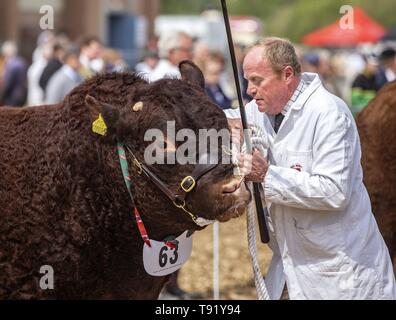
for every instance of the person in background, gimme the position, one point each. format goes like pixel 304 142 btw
pixel 327 74
pixel 173 48
pixel 53 65
pixel 212 69
pixel 201 53
pixel 152 44
pixel 321 65
pixel 113 61
pixel 90 57
pixel 310 62
pixel 40 57
pixel 14 85
pixel 239 56
pixel 147 66
pixel 66 78
pixel 325 240
pixel 387 70
pixel 364 86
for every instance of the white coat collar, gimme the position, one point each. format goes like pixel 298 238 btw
pixel 313 82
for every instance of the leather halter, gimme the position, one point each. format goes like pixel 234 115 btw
pixel 187 184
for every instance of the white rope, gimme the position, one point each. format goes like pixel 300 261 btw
pixel 262 292
pixel 258 141
pixel 216 291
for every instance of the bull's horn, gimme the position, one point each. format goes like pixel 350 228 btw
pixel 138 106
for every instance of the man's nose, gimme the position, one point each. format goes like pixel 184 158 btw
pixel 251 90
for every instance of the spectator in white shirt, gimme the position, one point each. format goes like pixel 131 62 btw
pixel 65 79
pixel 173 48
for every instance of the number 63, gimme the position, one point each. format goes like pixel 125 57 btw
pixel 163 257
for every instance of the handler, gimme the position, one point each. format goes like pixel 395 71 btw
pixel 325 239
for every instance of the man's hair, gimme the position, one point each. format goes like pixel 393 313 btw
pixel 57 47
pixel 170 41
pixel 280 53
pixel 88 40
pixel 387 55
pixel 71 51
pixel 216 56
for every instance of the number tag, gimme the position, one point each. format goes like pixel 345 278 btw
pixel 160 260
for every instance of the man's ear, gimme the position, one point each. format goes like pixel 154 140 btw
pixel 191 73
pixel 109 113
pixel 288 73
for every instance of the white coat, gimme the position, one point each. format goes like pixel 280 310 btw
pixel 164 69
pixel 325 239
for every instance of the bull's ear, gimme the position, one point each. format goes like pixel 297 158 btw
pixel 191 73
pixel 109 113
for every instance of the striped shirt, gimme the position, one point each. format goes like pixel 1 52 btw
pixel 300 89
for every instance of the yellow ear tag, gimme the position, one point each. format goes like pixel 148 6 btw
pixel 138 106
pixel 99 126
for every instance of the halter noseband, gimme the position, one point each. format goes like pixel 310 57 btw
pixel 187 184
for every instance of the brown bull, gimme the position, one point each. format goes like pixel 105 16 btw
pixel 63 200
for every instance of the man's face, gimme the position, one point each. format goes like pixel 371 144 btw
pixel 182 52
pixel 371 68
pixel 74 62
pixel 212 72
pixel 94 50
pixel 269 89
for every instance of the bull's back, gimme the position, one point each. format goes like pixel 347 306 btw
pixel 26 134
pixel 23 140
pixel 23 123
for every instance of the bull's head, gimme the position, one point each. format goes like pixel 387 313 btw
pixel 166 125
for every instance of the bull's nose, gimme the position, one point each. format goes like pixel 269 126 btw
pixel 231 186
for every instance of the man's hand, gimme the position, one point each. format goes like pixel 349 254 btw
pixel 254 167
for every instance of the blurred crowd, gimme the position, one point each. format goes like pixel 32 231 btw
pixel 354 76
pixel 59 64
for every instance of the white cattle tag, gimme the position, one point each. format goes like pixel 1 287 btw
pixel 160 259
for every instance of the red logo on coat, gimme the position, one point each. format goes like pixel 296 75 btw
pixel 296 166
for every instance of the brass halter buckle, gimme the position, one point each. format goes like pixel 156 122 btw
pixel 188 183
